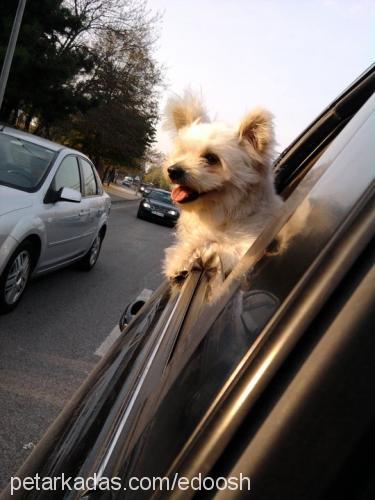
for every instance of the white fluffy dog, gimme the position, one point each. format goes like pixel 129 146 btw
pixel 222 182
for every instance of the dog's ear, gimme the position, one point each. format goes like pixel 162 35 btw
pixel 257 129
pixel 183 111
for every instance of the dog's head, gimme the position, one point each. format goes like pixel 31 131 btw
pixel 211 162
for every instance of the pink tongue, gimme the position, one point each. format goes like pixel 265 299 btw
pixel 180 193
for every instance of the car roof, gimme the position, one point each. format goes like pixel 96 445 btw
pixel 26 136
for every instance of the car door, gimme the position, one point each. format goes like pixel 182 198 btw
pixel 91 201
pixel 67 226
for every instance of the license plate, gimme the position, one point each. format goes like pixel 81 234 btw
pixel 160 214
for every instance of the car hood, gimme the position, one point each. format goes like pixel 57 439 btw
pixel 161 204
pixel 13 199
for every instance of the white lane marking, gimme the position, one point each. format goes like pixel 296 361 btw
pixel 108 341
pixel 116 332
pixel 145 294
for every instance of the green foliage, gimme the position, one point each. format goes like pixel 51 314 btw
pixel 119 126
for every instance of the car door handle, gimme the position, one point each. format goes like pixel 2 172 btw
pixel 82 213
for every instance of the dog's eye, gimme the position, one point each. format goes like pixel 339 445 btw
pixel 211 158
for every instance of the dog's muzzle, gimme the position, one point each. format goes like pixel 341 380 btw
pixel 176 173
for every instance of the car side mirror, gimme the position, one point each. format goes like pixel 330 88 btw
pixel 69 194
pixel 63 194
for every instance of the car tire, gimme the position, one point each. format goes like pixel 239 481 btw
pixel 15 276
pixel 89 260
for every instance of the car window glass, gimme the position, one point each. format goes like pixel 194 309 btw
pixel 159 195
pixel 89 181
pixel 192 392
pixel 67 175
pixel 22 164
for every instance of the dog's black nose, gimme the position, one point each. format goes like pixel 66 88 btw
pixel 175 172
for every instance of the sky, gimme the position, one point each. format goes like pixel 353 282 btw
pixel 292 57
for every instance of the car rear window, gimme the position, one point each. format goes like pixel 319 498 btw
pixel 22 164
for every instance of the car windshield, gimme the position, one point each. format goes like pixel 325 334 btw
pixel 22 163
pixel 160 196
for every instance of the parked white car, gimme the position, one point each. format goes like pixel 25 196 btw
pixel 53 211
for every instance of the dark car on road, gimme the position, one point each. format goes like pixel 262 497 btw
pixel 275 380
pixel 158 206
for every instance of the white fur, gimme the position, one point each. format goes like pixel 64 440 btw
pixel 239 199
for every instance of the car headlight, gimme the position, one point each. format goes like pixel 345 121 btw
pixel 146 205
pixel 172 212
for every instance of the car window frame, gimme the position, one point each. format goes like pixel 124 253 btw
pixel 167 328
pixel 314 139
pixel 51 186
pixel 99 189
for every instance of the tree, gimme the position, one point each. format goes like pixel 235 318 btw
pixel 84 70
pixel 154 174
pixel 119 126
pixel 44 69
pixel 156 177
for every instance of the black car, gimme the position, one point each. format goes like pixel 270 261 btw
pixel 158 206
pixel 269 388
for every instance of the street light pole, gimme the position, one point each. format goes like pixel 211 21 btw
pixel 10 50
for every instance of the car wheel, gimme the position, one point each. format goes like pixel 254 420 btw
pixel 89 260
pixel 15 277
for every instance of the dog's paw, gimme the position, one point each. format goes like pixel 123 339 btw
pixel 207 258
pixel 175 266
pixel 178 278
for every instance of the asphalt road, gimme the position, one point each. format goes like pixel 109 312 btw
pixel 48 344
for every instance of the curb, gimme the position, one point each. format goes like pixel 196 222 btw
pixel 118 202
pixel 119 197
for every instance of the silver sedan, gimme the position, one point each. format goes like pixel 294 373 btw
pixel 53 211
